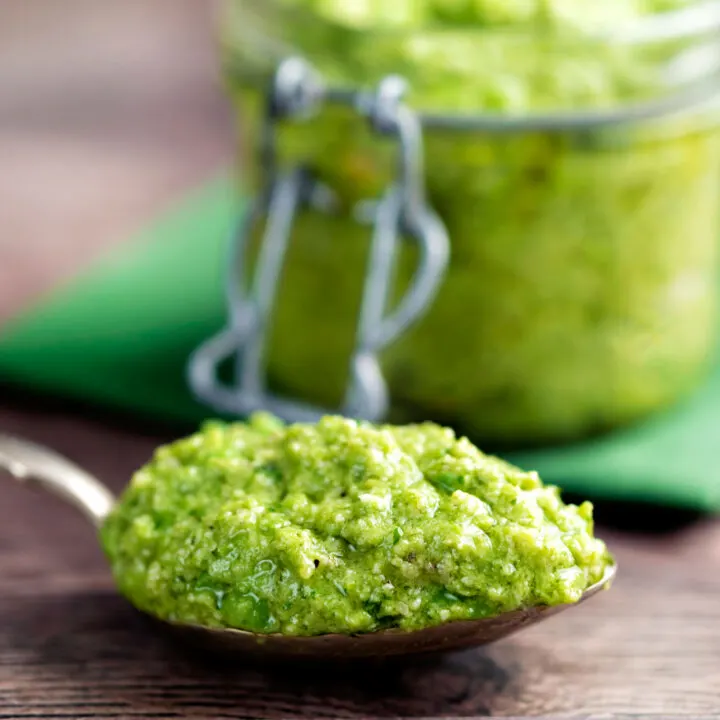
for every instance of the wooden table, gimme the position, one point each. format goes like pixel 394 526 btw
pixel 113 111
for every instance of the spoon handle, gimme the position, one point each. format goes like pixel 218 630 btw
pixel 28 462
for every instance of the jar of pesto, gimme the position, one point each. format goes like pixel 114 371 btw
pixel 572 150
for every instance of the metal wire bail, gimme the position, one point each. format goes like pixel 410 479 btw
pixel 401 212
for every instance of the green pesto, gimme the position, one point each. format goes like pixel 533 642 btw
pixel 581 291
pixel 343 527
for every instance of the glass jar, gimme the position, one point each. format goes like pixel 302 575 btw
pixel 577 172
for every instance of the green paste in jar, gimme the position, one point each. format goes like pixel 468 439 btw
pixel 343 527
pixel 582 283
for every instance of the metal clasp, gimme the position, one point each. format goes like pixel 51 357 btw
pixel 297 91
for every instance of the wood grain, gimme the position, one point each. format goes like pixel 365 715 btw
pixel 107 112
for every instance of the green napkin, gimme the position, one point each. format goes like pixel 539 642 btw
pixel 121 335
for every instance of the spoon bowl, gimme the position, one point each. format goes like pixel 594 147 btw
pixel 28 462
pixel 455 635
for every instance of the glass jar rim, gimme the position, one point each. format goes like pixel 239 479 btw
pixel 699 19
pixel 701 93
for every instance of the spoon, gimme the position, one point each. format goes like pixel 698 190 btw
pixel 33 463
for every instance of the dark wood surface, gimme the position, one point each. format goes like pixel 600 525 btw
pixel 107 112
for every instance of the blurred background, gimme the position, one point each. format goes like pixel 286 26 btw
pixel 107 115
pixel 575 327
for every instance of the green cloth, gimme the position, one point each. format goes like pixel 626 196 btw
pixel 121 334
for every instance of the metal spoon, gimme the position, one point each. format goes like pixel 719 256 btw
pixel 33 463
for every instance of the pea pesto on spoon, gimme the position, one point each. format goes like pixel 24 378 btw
pixel 336 537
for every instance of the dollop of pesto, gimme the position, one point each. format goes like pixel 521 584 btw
pixel 343 527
